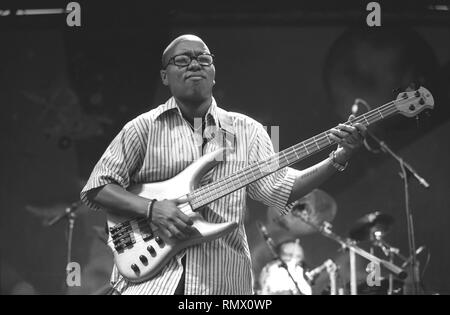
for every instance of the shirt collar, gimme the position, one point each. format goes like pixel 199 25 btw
pixel 171 105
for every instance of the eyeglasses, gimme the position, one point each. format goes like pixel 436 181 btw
pixel 185 60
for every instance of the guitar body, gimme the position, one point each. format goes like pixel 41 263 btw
pixel 139 250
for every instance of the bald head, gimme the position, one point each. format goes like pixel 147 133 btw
pixel 168 52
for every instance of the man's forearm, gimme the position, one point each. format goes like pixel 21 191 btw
pixel 117 200
pixel 312 178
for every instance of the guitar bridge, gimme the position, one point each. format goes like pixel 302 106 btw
pixel 122 236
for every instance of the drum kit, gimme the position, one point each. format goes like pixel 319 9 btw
pixel 286 273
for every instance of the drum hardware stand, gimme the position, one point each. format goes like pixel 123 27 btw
pixel 331 270
pixel 325 229
pixel 389 251
pixel 406 171
pixel 70 214
pixel 353 281
pixel 272 246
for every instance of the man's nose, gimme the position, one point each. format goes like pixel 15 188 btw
pixel 194 64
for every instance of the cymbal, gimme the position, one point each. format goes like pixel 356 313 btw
pixel 50 211
pixel 368 225
pixel 319 205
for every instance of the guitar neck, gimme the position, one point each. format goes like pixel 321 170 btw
pixel 211 192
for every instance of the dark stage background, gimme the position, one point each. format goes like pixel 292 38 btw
pixel 65 92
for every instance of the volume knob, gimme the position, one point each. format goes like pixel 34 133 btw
pixel 143 259
pixel 159 241
pixel 151 250
pixel 135 268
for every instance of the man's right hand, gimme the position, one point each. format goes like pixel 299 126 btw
pixel 171 220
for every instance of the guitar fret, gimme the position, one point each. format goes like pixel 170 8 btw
pixel 238 179
pixel 367 122
pixel 246 178
pixel 310 144
pixel 257 170
pixel 209 196
pixel 252 172
pixel 286 158
pixel 318 147
pixel 192 197
pixel 290 155
pixel 380 113
pixel 295 151
pixel 231 184
pixel 223 185
pixel 328 137
pixel 305 147
pixel 227 188
pixel 203 197
pixel 228 183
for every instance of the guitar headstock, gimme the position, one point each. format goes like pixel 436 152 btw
pixel 412 103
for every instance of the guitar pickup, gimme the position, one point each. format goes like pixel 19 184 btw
pixel 120 229
pixel 145 230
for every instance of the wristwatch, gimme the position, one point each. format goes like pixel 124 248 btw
pixel 336 165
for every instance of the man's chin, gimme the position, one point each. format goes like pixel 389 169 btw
pixel 195 97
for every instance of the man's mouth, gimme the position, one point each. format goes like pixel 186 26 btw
pixel 195 77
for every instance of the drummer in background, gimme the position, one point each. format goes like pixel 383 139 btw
pixel 275 280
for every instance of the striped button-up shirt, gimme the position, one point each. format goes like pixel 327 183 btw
pixel 159 144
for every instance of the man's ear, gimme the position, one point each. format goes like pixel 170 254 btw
pixel 164 80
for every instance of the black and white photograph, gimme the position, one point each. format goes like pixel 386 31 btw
pixel 239 149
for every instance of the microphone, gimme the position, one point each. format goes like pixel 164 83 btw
pixel 313 274
pixel 266 236
pixel 408 261
pixel 357 105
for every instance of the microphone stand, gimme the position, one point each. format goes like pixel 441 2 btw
pixel 70 214
pixel 406 170
pixel 283 264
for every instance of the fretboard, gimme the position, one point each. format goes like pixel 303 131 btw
pixel 249 174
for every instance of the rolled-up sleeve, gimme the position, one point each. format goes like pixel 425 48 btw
pixel 273 190
pixel 121 160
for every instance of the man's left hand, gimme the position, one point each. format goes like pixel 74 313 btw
pixel 349 137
